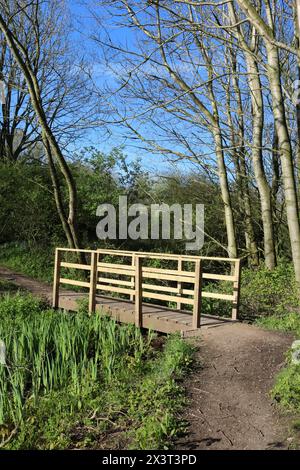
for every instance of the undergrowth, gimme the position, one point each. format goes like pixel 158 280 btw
pixel 35 262
pixel 265 292
pixel 287 321
pixel 79 381
pixel 286 390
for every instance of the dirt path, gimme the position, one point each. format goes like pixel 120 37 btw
pixel 41 289
pixel 229 403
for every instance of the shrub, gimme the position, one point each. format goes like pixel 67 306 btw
pixel 287 388
pixel 288 321
pixel 265 292
pixel 36 262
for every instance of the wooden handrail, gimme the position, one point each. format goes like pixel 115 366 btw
pixel 151 255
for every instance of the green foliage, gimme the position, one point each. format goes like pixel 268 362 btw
pixel 287 388
pixel 29 213
pixel 289 321
pixel 265 292
pixel 218 307
pixel 27 208
pixel 30 260
pixel 159 399
pixel 6 286
pixel 72 379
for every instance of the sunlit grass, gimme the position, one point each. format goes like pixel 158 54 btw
pixel 67 374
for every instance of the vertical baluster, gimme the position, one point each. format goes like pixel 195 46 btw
pixel 138 292
pixel 132 277
pixel 197 294
pixel 56 277
pixel 93 282
pixel 236 290
pixel 179 268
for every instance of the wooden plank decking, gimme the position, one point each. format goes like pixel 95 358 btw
pixel 154 317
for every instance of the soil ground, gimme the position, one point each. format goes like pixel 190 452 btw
pixel 229 403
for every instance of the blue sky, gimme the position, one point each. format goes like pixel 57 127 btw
pixel 85 25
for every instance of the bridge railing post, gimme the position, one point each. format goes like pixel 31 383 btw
pixel 132 278
pixel 197 295
pixel 93 282
pixel 236 290
pixel 56 277
pixel 179 285
pixel 138 291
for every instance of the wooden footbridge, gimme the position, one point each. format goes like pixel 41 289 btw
pixel 156 291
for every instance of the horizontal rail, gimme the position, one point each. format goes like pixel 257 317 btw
pixel 116 266
pixel 64 264
pixel 169 277
pixel 216 295
pixel 172 272
pixel 73 282
pixel 167 256
pixel 119 290
pixel 169 298
pixel 120 282
pixel 167 289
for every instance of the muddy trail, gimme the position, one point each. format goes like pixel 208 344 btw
pixel 229 396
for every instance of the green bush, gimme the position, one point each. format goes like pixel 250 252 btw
pixel 289 321
pixel 265 292
pixel 34 261
pixel 287 388
pixel 218 307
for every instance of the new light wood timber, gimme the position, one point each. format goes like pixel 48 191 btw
pixel 138 292
pixel 123 288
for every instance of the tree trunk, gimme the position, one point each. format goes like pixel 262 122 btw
pixel 258 167
pixel 57 193
pixel 297 30
pixel 238 150
pixel 285 150
pixel 257 141
pixel 35 96
pixel 229 219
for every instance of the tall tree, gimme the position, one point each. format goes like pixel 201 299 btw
pixel 29 32
pixel 169 90
pixel 266 27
